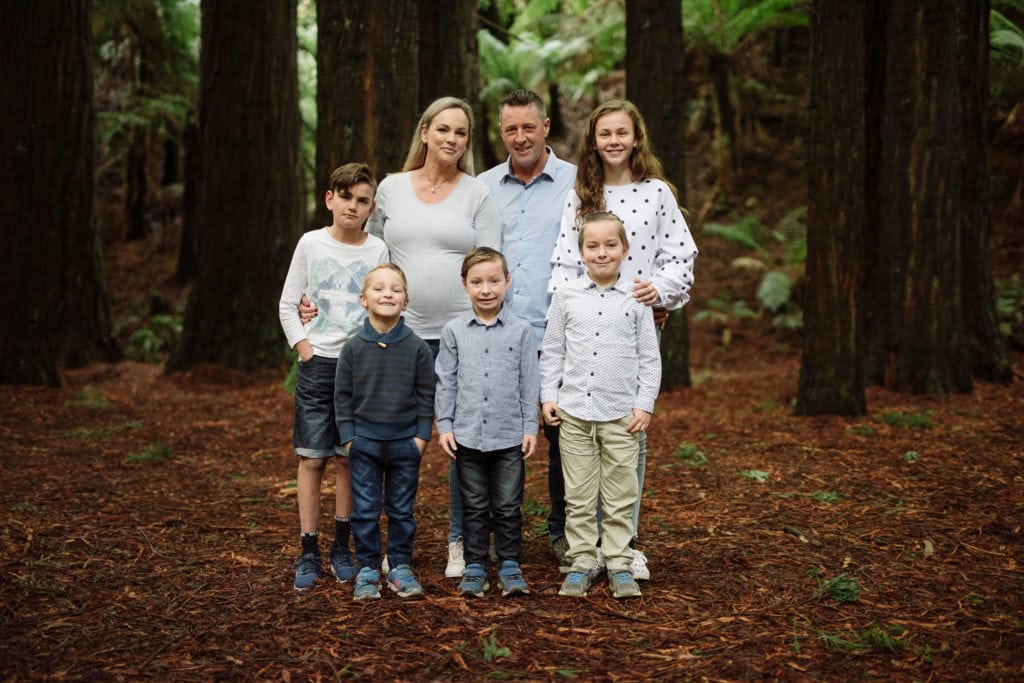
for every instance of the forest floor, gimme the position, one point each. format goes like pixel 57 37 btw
pixel 149 530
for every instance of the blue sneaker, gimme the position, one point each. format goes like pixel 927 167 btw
pixel 343 563
pixel 404 583
pixel 511 579
pixel 474 581
pixel 576 584
pixel 367 585
pixel 308 570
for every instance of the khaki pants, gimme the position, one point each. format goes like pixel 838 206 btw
pixel 599 459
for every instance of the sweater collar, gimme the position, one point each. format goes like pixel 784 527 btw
pixel 397 333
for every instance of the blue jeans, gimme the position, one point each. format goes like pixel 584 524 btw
pixel 491 484
pixel 556 485
pixel 385 474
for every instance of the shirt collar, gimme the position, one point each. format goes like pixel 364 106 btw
pixel 510 174
pixel 502 314
pixel 621 285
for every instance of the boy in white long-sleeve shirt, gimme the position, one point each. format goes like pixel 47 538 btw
pixel 328 266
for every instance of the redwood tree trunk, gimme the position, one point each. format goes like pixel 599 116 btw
pixel 654 67
pixel 51 286
pixel 367 87
pixel 922 184
pixel 831 371
pixel 987 355
pixel 252 201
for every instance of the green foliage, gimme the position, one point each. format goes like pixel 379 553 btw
pixel 909 420
pixel 722 26
pixel 690 455
pixel 306 59
pixel 843 588
pixel 570 44
pixel 155 452
pixel 748 231
pixel 1006 38
pixel 292 377
pixel 826 497
pixel 102 432
pixel 865 640
pixel 157 340
pixel 1010 310
pixel 88 397
pixel 491 649
pixel 756 475
pixel 911 456
pixel 148 74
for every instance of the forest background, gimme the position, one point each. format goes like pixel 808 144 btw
pixel 854 180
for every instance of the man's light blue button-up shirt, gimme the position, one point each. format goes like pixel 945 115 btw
pixel 531 214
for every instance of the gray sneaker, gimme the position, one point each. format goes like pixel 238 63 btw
pixel 576 584
pixel 511 579
pixel 403 582
pixel 474 581
pixel 367 585
pixel 622 585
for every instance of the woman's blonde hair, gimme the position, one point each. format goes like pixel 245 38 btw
pixel 417 155
pixel 643 163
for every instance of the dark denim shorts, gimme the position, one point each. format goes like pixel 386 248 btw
pixel 316 433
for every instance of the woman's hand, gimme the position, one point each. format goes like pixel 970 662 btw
pixel 645 292
pixel 307 311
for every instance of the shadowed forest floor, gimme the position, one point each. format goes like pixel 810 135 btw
pixel 149 531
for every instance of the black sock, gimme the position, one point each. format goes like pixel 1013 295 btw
pixel 310 543
pixel 342 529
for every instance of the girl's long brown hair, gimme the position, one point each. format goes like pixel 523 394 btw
pixel 643 163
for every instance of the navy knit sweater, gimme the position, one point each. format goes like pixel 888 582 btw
pixel 384 387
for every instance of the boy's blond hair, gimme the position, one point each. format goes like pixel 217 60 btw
pixel 596 217
pixel 384 266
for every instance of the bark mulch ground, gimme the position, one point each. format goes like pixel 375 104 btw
pixel 149 530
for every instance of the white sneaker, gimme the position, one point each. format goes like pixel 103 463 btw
pixel 456 560
pixel 638 567
pixel 384 569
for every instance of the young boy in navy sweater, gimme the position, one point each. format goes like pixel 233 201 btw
pixel 384 407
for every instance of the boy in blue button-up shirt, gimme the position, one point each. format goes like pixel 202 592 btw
pixel 488 384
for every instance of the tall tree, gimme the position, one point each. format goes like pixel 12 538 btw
pixel 448 61
pixel 51 286
pixel 918 340
pixel 654 67
pixel 251 199
pixel 367 87
pixel 831 371
pixel 986 353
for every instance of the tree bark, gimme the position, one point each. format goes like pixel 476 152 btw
pixel 251 198
pixel 831 371
pixel 921 199
pixel 987 354
pixel 654 67
pixel 448 63
pixel 367 87
pixel 51 288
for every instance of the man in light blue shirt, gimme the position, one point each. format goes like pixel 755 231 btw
pixel 530 189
